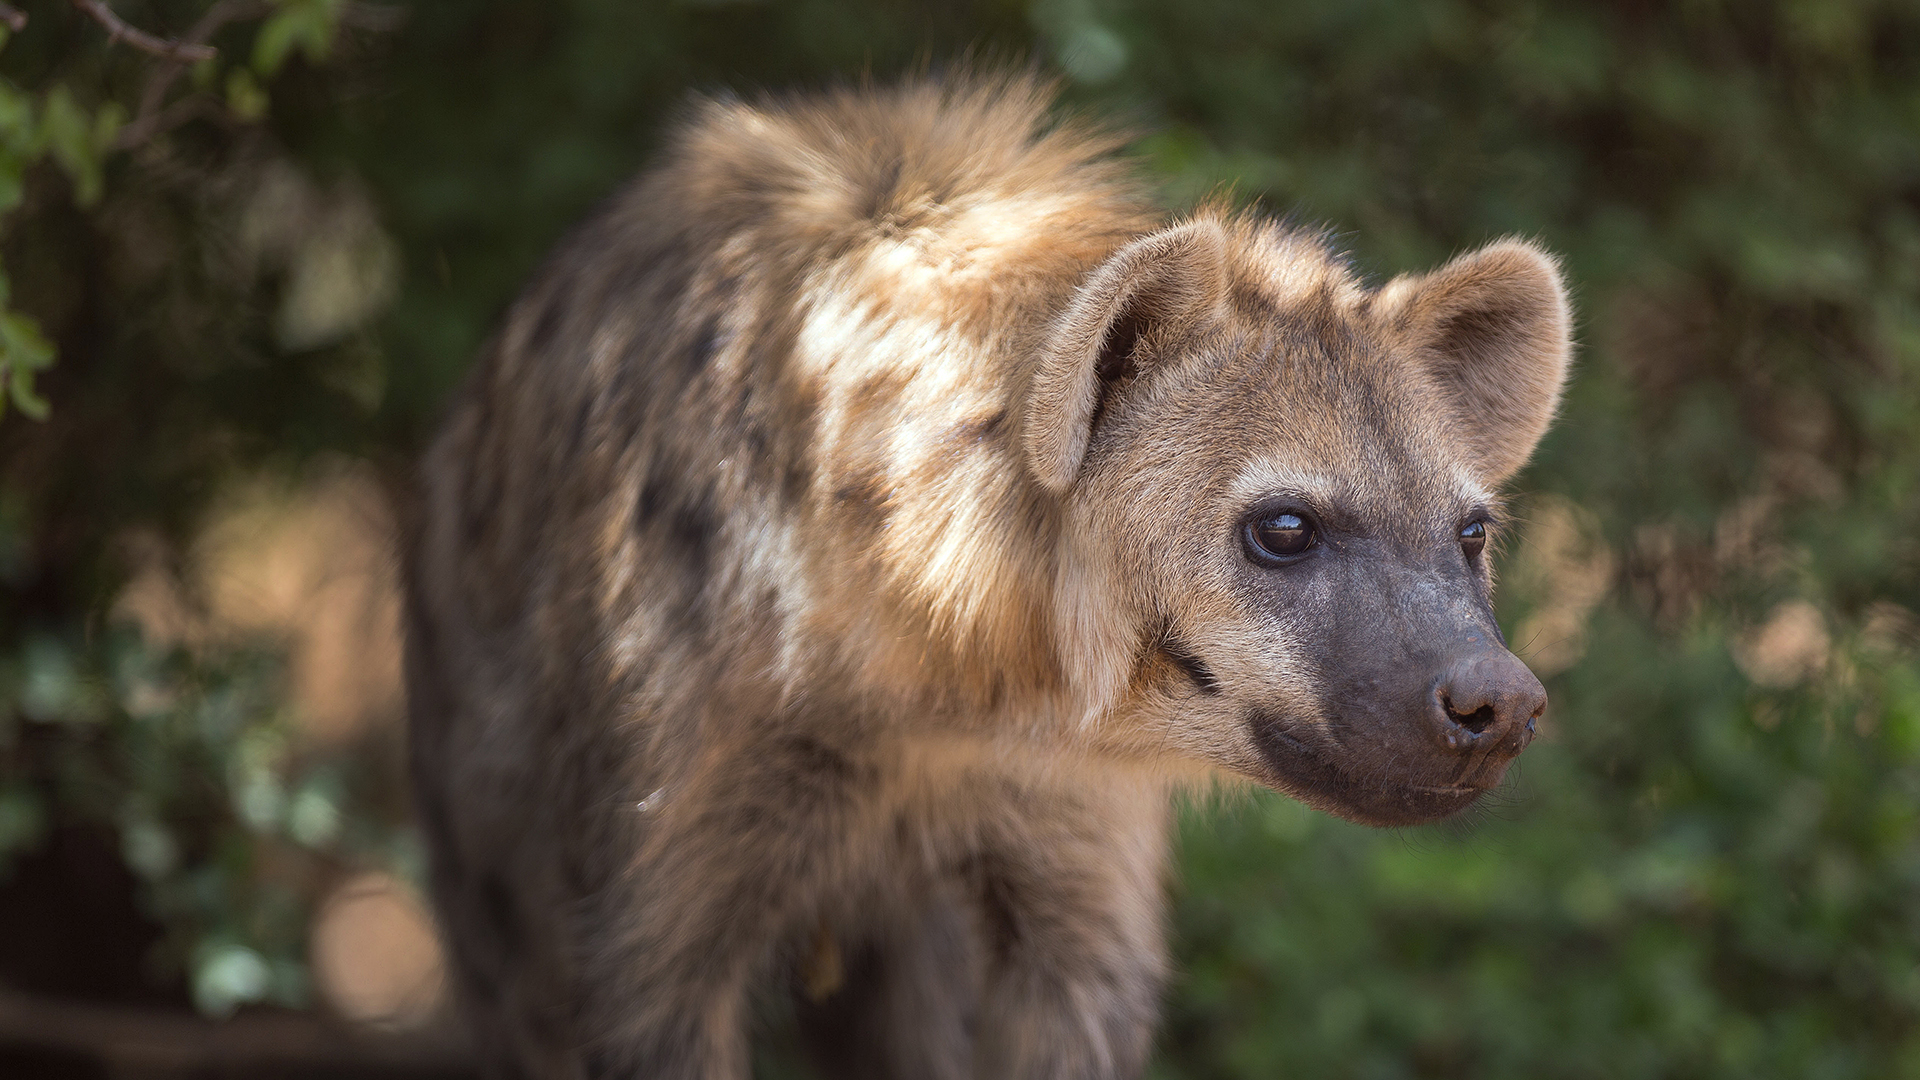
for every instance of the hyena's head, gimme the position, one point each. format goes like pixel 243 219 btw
pixel 1281 492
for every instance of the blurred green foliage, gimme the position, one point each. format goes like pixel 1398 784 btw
pixel 189 760
pixel 1709 867
pixel 54 125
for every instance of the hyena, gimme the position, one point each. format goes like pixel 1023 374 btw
pixel 861 525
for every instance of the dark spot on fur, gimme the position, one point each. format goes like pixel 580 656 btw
pixel 775 429
pixel 759 440
pixel 683 523
pixel 1196 669
pixel 501 913
pixel 690 533
pixel 546 327
pixel 582 423
pixel 999 902
pixel 480 499
pixel 796 480
pixel 799 774
pixel 973 432
pixel 876 392
pixel 1253 304
pixel 810 758
pixel 704 347
pixel 480 506
pixel 759 446
pixel 653 496
pixel 862 502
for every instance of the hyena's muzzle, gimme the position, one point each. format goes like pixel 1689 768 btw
pixel 1421 706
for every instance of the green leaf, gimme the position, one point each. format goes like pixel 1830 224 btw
pixel 304 24
pixel 274 41
pixel 17 131
pixel 106 127
pixel 12 185
pixel 226 976
pixel 69 133
pixel 244 95
pixel 23 351
pixel 23 820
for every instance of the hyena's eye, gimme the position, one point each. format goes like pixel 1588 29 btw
pixel 1473 538
pixel 1280 535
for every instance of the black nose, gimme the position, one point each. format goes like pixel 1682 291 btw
pixel 1488 695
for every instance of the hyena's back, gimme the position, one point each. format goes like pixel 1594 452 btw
pixel 746 436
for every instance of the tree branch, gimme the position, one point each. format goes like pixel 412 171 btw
pixel 156 1042
pixel 154 116
pixel 150 119
pixel 161 121
pixel 117 30
pixel 13 17
pixel 222 13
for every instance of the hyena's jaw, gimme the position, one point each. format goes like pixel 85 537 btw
pixel 1295 762
pixel 1404 772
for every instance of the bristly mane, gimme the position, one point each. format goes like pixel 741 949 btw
pixel 859 158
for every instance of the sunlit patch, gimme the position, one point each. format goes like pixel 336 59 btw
pixel 309 565
pixel 1789 648
pixel 1563 569
pixel 375 955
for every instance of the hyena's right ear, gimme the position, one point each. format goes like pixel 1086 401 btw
pixel 1149 291
pixel 1494 330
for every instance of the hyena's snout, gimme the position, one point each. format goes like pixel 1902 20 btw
pixel 1485 705
pixel 1416 736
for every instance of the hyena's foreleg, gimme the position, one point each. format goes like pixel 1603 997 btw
pixel 727 864
pixel 1070 903
pixel 903 997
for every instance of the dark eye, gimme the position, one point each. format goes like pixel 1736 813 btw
pixel 1281 535
pixel 1473 538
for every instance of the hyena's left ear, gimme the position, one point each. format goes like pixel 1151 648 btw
pixel 1494 330
pixel 1143 298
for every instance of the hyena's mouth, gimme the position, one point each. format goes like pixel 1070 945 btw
pixel 1302 763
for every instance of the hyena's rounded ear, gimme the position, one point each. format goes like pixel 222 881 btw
pixel 1150 290
pixel 1493 328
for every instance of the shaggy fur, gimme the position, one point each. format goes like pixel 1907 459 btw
pixel 845 543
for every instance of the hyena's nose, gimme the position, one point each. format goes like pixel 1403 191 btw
pixel 1489 696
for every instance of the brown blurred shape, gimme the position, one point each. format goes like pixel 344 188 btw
pixel 1789 648
pixel 375 956
pixel 1565 564
pixel 308 564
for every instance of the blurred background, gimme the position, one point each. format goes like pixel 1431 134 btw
pixel 245 261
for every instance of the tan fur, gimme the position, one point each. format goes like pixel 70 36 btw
pixel 807 577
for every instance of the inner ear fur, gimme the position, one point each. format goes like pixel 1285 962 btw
pixel 1152 289
pixel 1494 330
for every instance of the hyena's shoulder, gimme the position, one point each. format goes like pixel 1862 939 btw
pixel 765 391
